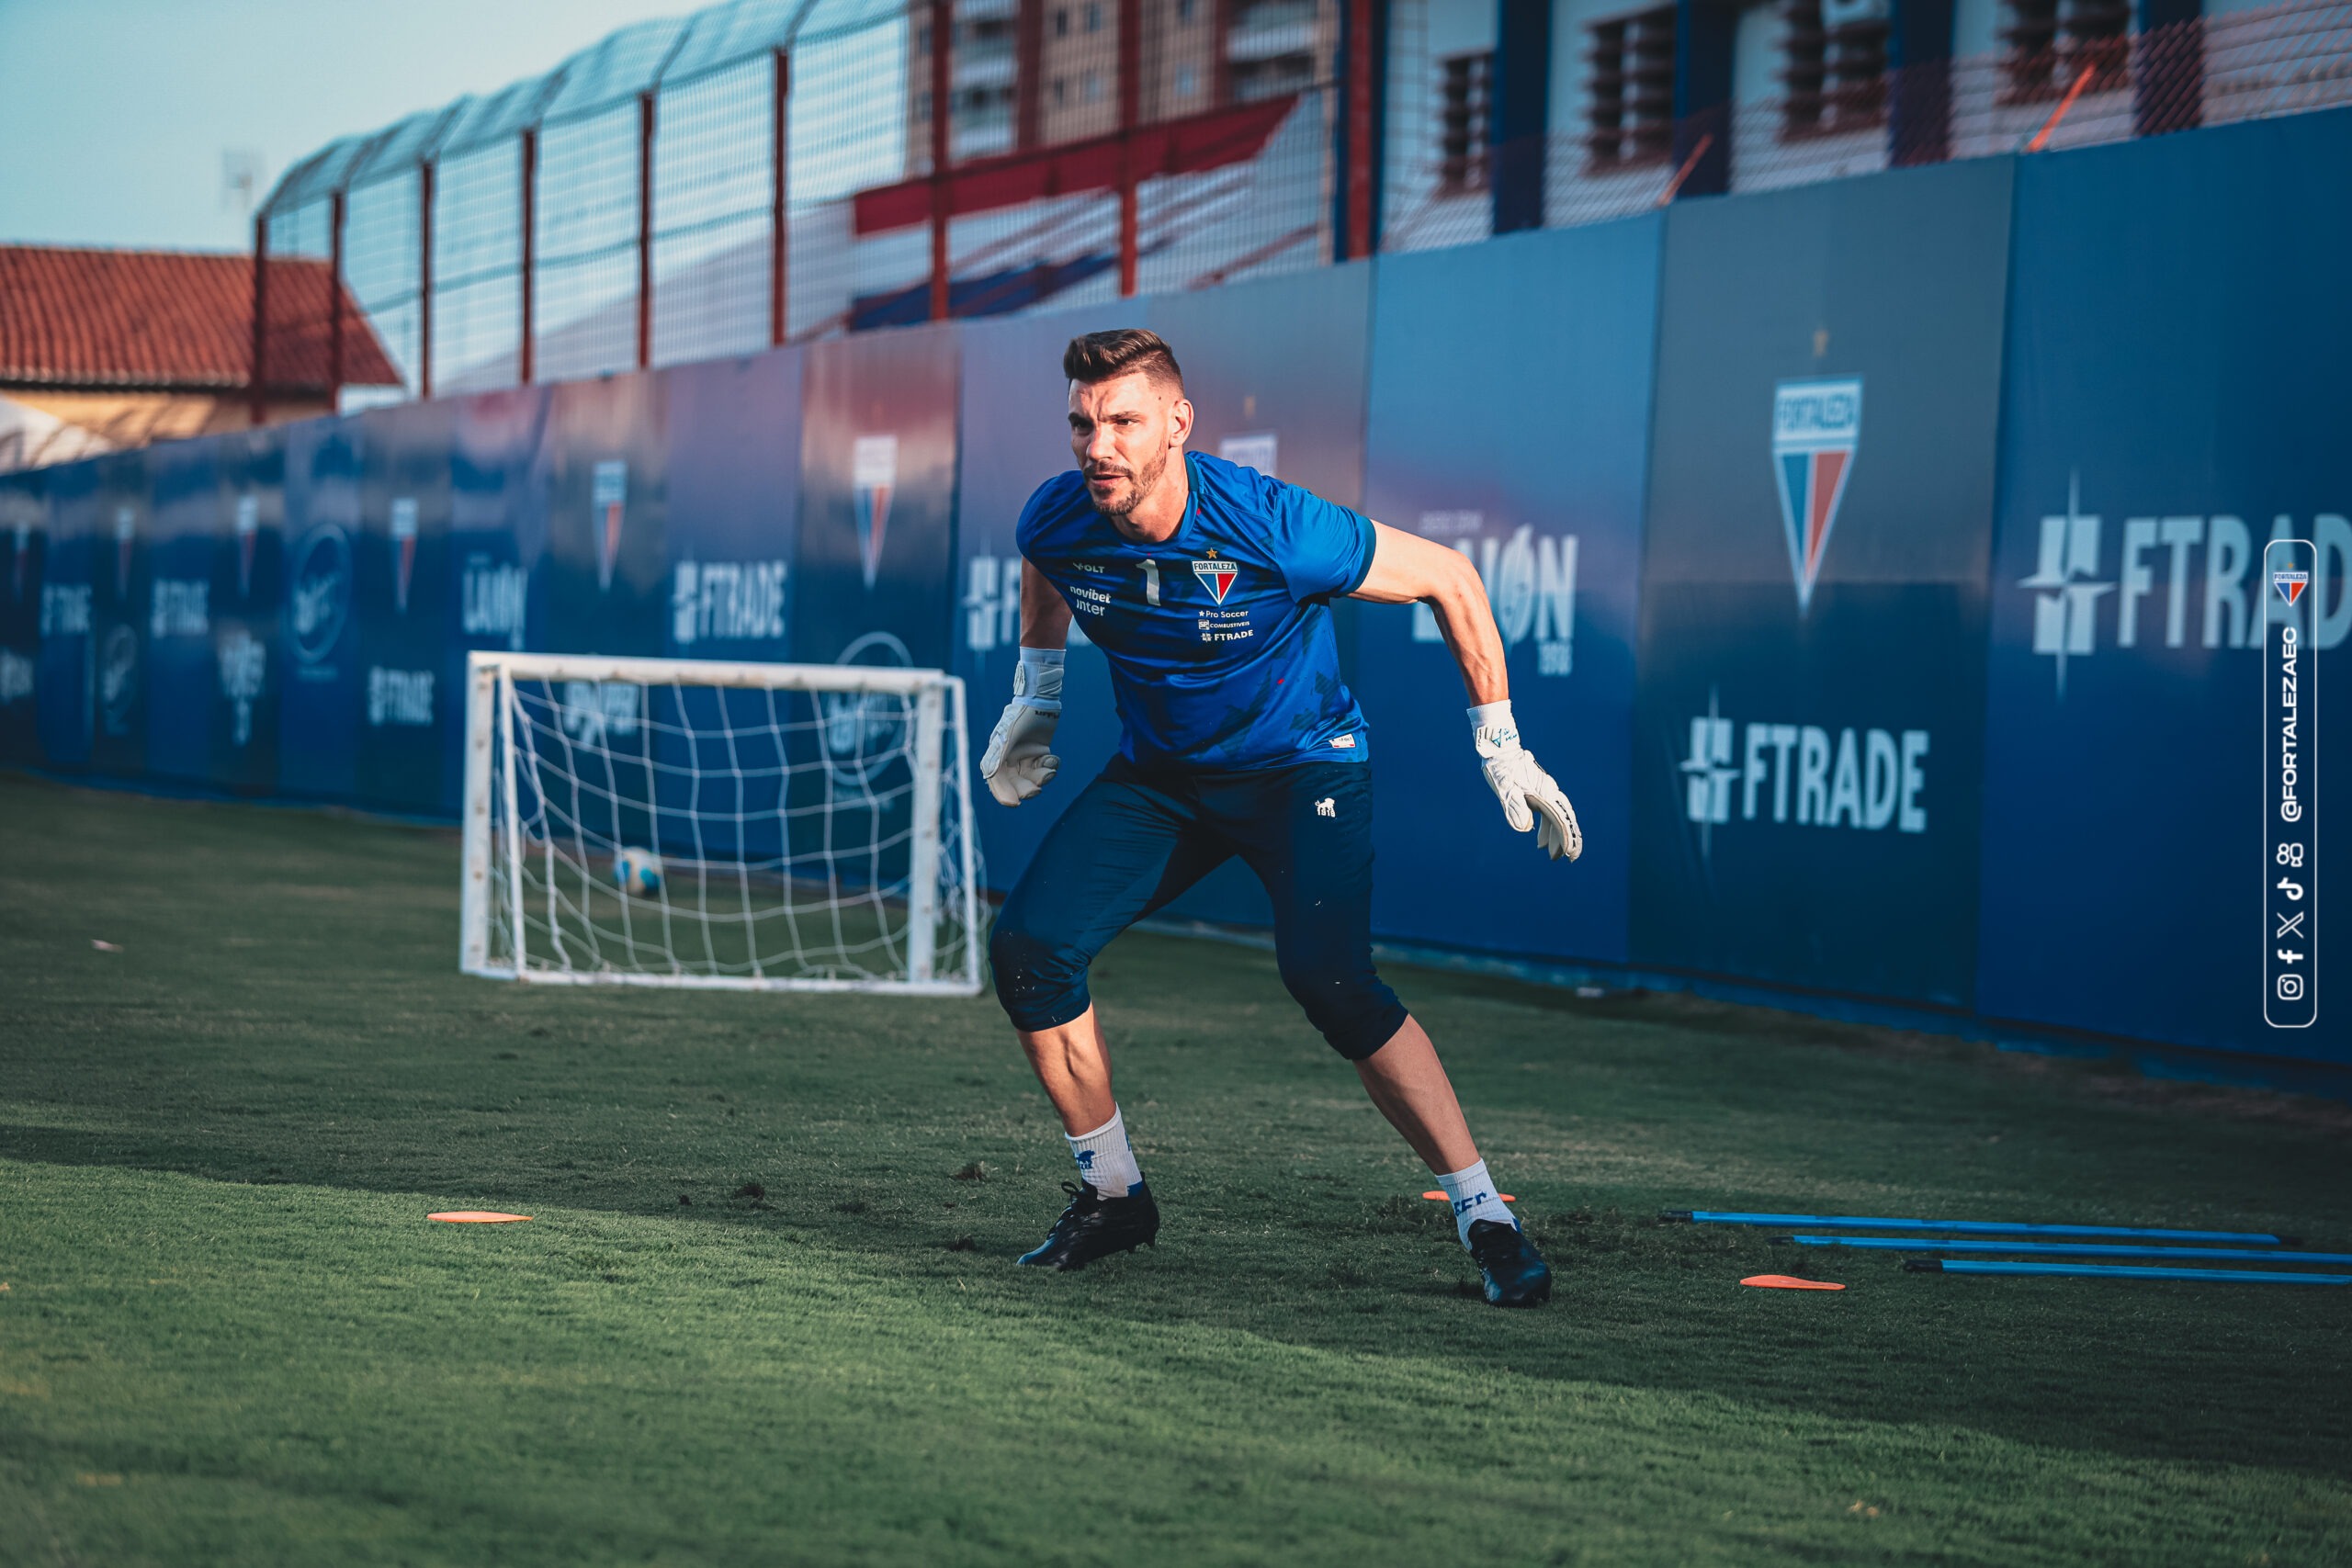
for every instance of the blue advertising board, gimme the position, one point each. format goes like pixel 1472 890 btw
pixel 184 561
pixel 318 705
pixel 1809 716
pixel 248 589
pixel 402 595
pixel 64 676
pixel 24 536
pixel 125 516
pixel 2176 399
pixel 1014 437
pixel 497 538
pixel 1464 342
pixel 603 454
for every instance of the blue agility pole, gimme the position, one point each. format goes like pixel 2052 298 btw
pixel 1968 1227
pixel 2062 1248
pixel 2119 1271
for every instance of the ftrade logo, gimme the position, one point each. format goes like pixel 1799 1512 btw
pixel 404 550
pixel 873 474
pixel 1814 776
pixel 2197 572
pixel 1530 580
pixel 731 601
pixel 607 500
pixel 991 603
pixel 1816 425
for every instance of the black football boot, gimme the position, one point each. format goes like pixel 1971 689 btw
pixel 1094 1226
pixel 1515 1273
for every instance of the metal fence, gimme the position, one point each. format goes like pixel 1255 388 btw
pixel 770 171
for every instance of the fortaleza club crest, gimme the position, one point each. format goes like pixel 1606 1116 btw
pixel 873 474
pixel 404 550
pixel 1216 576
pixel 1817 425
pixel 2290 584
pixel 608 498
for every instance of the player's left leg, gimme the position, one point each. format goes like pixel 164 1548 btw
pixel 1307 834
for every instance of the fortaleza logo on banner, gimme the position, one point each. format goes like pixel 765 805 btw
pixel 872 475
pixel 1530 580
pixel 607 499
pixel 1816 425
pixel 2193 573
pixel 404 549
pixel 248 534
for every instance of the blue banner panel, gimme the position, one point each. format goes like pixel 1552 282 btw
pixel 401 582
pixel 1277 375
pixel 606 563
pixel 118 614
pixel 24 535
pixel 1809 717
pixel 66 677
pixel 497 538
pixel 1472 349
pixel 734 504
pixel 248 587
pixel 1016 437
pixel 2176 399
pixel 319 639
pixel 184 563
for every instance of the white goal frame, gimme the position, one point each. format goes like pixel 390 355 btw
pixel 492 919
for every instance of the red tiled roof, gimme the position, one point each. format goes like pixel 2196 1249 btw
pixel 91 320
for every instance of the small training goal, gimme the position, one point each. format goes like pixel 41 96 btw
pixel 679 822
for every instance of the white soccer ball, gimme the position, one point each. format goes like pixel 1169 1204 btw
pixel 637 872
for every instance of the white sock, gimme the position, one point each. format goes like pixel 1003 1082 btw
pixel 1104 1161
pixel 1475 1198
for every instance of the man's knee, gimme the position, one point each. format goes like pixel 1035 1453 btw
pixel 1040 981
pixel 1350 1005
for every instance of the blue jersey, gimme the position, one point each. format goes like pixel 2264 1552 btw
pixel 1219 637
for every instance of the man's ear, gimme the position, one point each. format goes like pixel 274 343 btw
pixel 1179 422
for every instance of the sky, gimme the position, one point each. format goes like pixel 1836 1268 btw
pixel 115 114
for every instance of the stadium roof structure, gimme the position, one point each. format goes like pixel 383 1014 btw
pixel 88 319
pixel 638 59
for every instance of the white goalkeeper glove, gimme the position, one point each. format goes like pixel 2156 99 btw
pixel 1530 798
pixel 1020 761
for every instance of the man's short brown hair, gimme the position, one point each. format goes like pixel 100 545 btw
pixel 1098 357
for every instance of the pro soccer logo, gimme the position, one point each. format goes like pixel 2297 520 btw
pixel 1816 425
pixel 607 499
pixel 2290 584
pixel 1216 576
pixel 404 550
pixel 873 474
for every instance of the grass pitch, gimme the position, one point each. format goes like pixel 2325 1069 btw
pixel 766 1312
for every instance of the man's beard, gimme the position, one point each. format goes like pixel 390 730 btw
pixel 1144 484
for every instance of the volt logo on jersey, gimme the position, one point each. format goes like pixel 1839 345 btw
pixel 873 474
pixel 2290 584
pixel 1216 576
pixel 1816 425
pixel 608 496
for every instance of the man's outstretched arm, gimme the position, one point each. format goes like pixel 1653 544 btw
pixel 1020 761
pixel 1044 617
pixel 1408 568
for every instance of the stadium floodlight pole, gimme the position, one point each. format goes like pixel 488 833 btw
pixel 2058 1249
pixel 1966 1227
pixel 2121 1271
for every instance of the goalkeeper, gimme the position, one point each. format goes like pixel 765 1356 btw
pixel 1208 588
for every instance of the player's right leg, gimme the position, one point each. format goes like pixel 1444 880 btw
pixel 1122 848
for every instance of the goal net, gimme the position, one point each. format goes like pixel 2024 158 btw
pixel 674 822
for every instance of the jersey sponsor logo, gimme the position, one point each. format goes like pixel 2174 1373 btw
pixel 321 598
pixel 607 500
pixel 2187 579
pixel 1216 576
pixel 873 474
pixel 248 536
pixel 1343 743
pixel 404 550
pixel 1816 425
